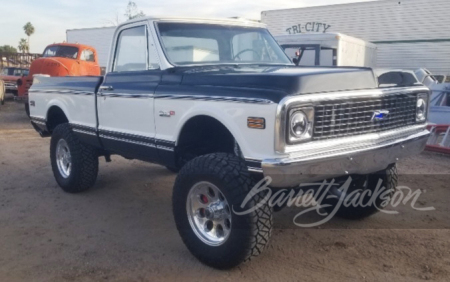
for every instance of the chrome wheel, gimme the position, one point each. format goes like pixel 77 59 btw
pixel 209 213
pixel 63 158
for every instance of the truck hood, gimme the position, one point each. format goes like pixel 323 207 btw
pixel 275 83
pixel 52 66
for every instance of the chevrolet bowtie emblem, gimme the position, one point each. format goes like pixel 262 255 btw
pixel 380 115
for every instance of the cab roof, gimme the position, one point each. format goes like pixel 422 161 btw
pixel 223 21
pixel 76 45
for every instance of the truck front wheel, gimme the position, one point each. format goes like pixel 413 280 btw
pixel 207 196
pixel 74 165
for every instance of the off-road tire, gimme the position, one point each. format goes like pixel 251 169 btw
pixel 84 161
pixel 249 234
pixel 389 179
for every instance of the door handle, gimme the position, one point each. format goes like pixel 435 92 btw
pixel 106 88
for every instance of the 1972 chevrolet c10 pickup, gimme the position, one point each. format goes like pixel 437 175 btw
pixel 220 102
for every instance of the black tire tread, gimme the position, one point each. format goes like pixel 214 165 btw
pixel 390 181
pixel 233 172
pixel 84 159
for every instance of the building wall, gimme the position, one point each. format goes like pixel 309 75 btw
pixel 409 33
pixel 99 38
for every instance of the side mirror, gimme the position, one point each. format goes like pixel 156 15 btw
pixel 295 61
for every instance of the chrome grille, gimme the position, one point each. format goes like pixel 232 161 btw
pixel 354 117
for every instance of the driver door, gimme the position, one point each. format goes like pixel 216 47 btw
pixel 125 99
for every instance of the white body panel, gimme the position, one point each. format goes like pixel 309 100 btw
pixel 138 120
pixel 409 34
pixel 79 109
pixel 254 143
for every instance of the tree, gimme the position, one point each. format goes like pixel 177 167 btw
pixel 7 49
pixel 132 11
pixel 23 46
pixel 29 30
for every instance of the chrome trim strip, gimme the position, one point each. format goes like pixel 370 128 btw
pixel 255 169
pixel 287 103
pixel 165 148
pixel 126 95
pixel 84 132
pixel 128 141
pixel 214 98
pixel 60 91
pixel 34 118
pixel 167 142
pixel 144 140
pixel 252 160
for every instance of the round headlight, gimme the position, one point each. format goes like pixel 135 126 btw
pixel 421 111
pixel 299 124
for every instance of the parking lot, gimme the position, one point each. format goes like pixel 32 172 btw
pixel 123 229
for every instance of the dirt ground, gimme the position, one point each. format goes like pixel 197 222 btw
pixel 123 229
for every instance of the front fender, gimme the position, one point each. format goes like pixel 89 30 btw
pixel 254 143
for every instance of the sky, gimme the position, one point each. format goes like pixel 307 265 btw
pixel 51 18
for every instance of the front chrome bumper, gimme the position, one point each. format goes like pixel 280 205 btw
pixel 353 155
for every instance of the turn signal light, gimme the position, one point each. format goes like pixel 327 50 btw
pixel 257 123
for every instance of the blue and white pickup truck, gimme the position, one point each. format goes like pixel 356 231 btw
pixel 220 103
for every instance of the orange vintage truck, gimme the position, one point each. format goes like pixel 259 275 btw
pixel 62 59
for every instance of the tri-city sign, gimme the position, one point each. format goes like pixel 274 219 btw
pixel 308 27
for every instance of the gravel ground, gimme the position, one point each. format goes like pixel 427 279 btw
pixel 123 229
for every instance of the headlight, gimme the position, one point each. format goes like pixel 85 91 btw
pixel 301 123
pixel 422 108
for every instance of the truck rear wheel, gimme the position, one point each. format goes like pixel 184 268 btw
pixel 74 165
pixel 372 201
pixel 207 191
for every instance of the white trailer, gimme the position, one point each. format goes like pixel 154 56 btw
pixel 99 38
pixel 409 34
pixel 328 49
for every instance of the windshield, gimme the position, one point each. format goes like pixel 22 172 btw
pixel 14 72
pixel 61 51
pixel 197 44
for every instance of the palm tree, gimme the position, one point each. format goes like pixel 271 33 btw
pixel 29 30
pixel 23 46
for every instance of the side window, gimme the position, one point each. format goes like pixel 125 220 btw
pixel 88 56
pixel 131 50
